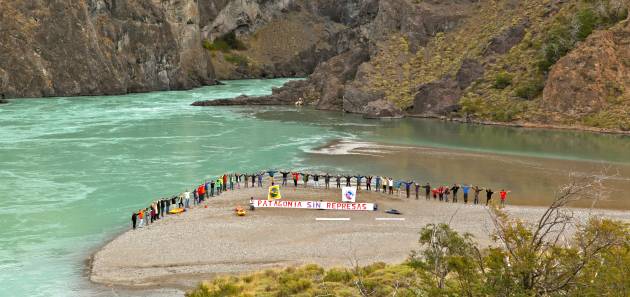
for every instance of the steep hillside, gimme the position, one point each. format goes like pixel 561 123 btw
pixel 528 61
pixel 503 61
pixel 90 47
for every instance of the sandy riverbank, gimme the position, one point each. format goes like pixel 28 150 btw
pixel 526 125
pixel 181 250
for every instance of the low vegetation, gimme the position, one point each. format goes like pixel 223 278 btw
pixel 225 43
pixel 541 259
pixel 236 59
pixel 549 38
pixel 513 82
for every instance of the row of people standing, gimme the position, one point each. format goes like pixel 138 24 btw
pixel 182 201
pixel 388 185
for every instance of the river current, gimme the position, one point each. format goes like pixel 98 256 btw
pixel 73 169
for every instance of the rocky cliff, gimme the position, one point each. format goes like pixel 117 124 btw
pixel 536 61
pixel 530 61
pixel 91 47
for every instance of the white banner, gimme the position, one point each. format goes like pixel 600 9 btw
pixel 312 205
pixel 349 194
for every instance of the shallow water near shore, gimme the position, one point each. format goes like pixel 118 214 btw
pixel 73 169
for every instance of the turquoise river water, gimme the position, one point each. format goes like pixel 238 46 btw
pixel 73 169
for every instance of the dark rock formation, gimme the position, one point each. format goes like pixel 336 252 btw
pixel 4 101
pixel 381 109
pixel 442 96
pixel 505 41
pixel 356 99
pixel 329 78
pixel 470 71
pixel 437 97
pixel 69 48
pixel 288 94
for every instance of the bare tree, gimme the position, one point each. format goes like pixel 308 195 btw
pixel 532 250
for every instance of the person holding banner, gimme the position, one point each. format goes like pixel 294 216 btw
pixel 348 177
pixel 338 180
pixel 327 180
pixel 368 183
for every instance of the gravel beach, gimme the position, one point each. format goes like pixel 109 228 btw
pixel 181 250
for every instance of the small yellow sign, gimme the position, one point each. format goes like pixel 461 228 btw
pixel 274 193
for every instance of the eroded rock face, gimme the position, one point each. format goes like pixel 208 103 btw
pixel 592 77
pixel 381 109
pixel 507 39
pixel 437 97
pixel 355 99
pixel 73 47
pixel 442 96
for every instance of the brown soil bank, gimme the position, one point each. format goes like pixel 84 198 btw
pixel 183 249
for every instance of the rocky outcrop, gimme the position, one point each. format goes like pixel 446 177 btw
pixel 380 109
pixel 289 94
pixel 592 78
pixel 333 84
pixel 505 41
pixel 4 101
pixel 442 96
pixel 76 47
pixel 330 78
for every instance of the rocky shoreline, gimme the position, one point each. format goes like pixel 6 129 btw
pixel 526 125
pixel 385 110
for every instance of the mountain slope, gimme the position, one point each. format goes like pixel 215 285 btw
pixel 528 61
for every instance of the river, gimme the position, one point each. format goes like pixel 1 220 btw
pixel 73 169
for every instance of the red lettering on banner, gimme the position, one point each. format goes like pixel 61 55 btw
pixel 313 205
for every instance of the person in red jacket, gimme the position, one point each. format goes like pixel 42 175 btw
pixel 296 178
pixel 503 195
pixel 201 191
pixel 225 182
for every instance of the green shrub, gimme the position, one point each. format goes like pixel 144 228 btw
pixel 236 59
pixel 218 288
pixel 586 20
pixel 233 42
pixel 556 45
pixel 338 275
pixel 502 80
pixel 530 89
pixel 225 43
pixel 567 32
